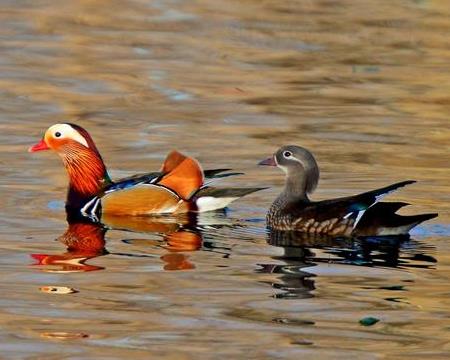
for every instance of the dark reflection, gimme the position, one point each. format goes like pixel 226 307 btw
pixel 375 251
pixel 294 282
pixel 84 239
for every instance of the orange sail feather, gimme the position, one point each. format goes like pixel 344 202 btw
pixel 173 159
pixel 185 178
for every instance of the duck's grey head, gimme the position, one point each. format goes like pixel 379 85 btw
pixel 298 163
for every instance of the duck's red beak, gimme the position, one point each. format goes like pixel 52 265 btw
pixel 41 145
pixel 269 161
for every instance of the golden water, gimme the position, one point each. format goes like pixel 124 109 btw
pixel 364 84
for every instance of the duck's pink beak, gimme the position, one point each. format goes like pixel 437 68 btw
pixel 41 145
pixel 269 161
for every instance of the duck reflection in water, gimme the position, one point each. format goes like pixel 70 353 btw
pixel 180 234
pixel 302 250
pixel 85 239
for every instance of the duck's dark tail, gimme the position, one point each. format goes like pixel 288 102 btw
pixel 219 173
pixel 381 219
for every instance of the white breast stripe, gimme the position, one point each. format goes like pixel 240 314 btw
pixel 90 209
pixel 94 209
pixel 84 210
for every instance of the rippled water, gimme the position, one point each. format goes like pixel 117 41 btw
pixel 364 85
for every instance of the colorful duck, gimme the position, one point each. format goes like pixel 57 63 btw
pixel 178 188
pixel 358 215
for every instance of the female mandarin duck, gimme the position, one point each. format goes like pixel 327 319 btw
pixel 355 215
pixel 178 188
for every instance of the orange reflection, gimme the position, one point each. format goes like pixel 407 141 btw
pixel 144 224
pixel 176 231
pixel 177 261
pixel 84 241
pixel 183 240
pixel 177 242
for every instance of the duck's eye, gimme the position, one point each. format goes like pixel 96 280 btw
pixel 57 134
pixel 287 154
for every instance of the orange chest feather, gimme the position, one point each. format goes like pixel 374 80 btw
pixel 86 172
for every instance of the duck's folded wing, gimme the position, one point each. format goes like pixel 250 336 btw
pixel 215 174
pixel 356 206
pixel 340 215
pixel 153 177
pixel 142 199
pixel 382 219
pixel 130 181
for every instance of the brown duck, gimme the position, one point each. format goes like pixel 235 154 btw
pixel 358 215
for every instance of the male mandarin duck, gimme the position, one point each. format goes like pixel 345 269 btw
pixel 358 215
pixel 178 188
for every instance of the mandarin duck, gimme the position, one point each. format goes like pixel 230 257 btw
pixel 179 187
pixel 358 215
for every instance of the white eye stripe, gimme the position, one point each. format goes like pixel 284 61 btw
pixel 68 132
pixel 295 159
